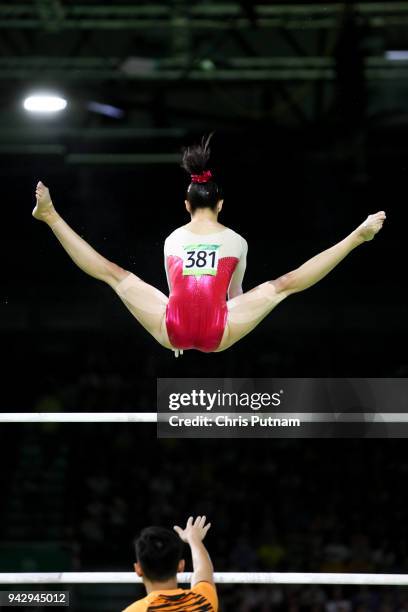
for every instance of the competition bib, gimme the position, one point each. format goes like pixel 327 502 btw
pixel 200 259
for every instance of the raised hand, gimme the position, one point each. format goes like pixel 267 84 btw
pixel 194 530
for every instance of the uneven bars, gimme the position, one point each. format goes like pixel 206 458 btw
pixel 151 417
pixel 78 417
pixel 220 578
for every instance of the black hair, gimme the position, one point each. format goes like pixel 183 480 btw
pixel 195 161
pixel 159 551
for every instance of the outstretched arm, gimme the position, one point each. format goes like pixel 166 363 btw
pixel 81 253
pixel 319 266
pixel 193 534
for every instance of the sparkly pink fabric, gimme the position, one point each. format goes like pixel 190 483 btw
pixel 197 309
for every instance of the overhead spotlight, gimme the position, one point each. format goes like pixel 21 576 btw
pixel 44 103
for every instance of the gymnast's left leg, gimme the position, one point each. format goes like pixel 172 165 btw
pixel 246 311
pixel 147 304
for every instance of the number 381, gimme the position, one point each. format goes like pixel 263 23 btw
pixel 200 259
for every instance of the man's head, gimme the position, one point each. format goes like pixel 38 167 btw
pixel 159 554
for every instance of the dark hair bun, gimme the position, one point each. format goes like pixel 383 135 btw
pixel 195 157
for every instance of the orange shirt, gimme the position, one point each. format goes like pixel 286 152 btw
pixel 201 598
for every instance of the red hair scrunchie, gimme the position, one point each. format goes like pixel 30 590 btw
pixel 204 177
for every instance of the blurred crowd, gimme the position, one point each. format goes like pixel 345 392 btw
pixel 75 496
pixel 275 505
pixel 90 372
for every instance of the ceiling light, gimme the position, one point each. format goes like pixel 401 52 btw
pixel 44 103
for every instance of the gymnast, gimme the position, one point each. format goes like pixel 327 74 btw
pixel 205 264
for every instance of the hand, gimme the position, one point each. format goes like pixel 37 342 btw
pixel 194 529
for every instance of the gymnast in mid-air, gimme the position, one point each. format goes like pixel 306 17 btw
pixel 205 266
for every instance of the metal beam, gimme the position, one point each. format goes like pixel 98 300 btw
pixel 202 24
pixel 230 9
pixel 255 69
pixel 204 16
pixel 49 134
pixel 193 75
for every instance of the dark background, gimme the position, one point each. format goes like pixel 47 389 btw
pixel 310 121
pixel 75 496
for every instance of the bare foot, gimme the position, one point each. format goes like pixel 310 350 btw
pixel 44 209
pixel 371 226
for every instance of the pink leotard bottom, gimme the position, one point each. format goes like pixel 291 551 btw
pixel 197 311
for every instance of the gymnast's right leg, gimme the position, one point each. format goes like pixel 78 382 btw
pixel 147 304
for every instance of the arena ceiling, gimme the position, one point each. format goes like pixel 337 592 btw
pixel 158 69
